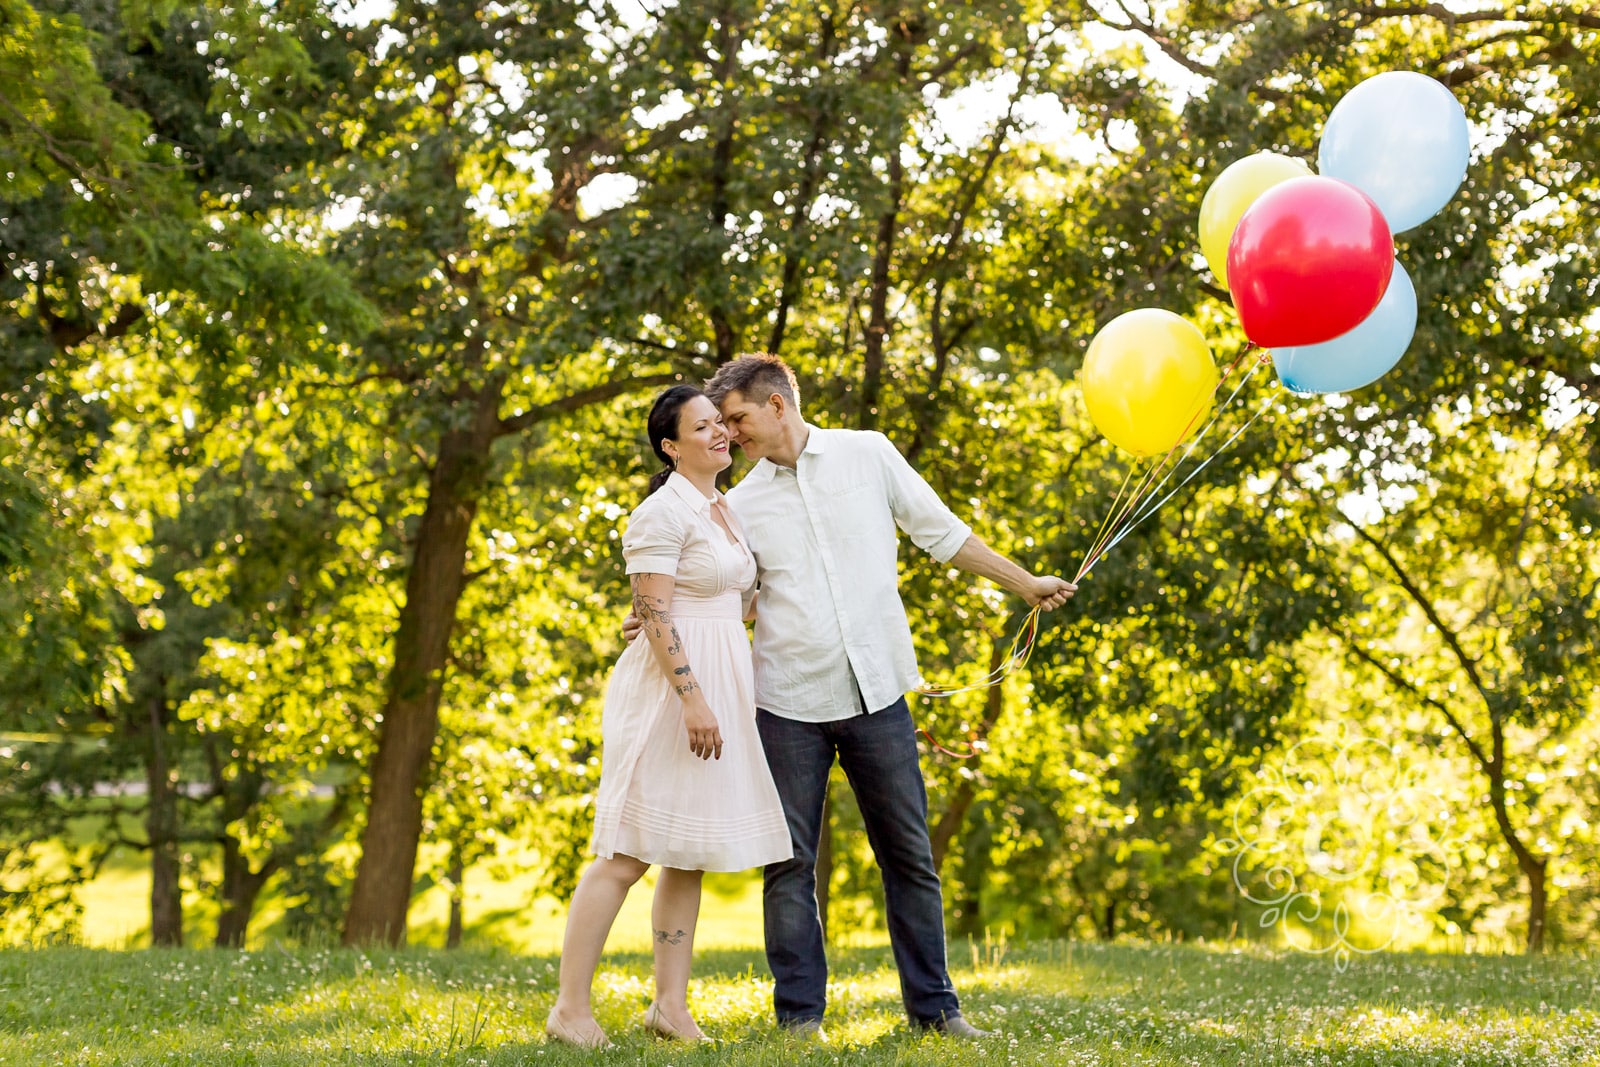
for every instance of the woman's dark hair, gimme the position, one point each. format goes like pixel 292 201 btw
pixel 663 426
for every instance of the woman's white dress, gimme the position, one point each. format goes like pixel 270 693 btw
pixel 658 802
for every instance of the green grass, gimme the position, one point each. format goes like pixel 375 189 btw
pixel 1056 1002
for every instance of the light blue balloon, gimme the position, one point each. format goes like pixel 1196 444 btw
pixel 1361 356
pixel 1401 138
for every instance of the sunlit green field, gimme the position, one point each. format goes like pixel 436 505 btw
pixel 502 909
pixel 1053 1003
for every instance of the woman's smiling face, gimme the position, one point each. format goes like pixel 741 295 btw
pixel 702 442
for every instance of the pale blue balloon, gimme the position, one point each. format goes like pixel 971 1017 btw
pixel 1361 356
pixel 1401 138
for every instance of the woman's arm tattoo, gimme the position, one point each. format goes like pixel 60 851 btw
pixel 650 609
pixel 654 617
pixel 656 621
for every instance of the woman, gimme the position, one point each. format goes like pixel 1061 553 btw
pixel 683 781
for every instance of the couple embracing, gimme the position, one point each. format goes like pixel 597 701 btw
pixel 716 755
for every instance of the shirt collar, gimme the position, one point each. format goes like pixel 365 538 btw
pixel 686 490
pixel 765 469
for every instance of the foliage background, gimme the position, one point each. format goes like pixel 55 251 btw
pixel 325 339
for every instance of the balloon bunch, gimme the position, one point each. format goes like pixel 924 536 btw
pixel 1309 261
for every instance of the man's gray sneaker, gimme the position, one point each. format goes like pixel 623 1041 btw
pixel 956 1026
pixel 807 1029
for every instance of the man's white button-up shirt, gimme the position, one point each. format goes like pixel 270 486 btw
pixel 829 618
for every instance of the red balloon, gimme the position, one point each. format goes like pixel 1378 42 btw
pixel 1309 260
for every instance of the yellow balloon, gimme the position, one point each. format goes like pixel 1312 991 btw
pixel 1148 379
pixel 1234 190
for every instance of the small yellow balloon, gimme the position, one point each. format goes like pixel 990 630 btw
pixel 1234 190
pixel 1148 379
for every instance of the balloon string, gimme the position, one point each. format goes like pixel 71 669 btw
pixel 1161 469
pixel 1121 510
pixel 1201 436
pixel 1116 526
pixel 1106 528
pixel 937 747
pixel 1146 511
pixel 1016 657
pixel 1224 446
pixel 1022 646
pixel 1121 516
pixel 1151 474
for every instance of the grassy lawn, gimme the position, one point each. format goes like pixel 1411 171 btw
pixel 1055 1002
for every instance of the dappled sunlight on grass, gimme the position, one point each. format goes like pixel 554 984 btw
pixel 1053 1002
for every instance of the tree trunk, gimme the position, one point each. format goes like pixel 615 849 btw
pixel 878 302
pixel 955 812
pixel 382 891
pixel 883 256
pixel 1533 868
pixel 974 874
pixel 1108 924
pixel 1536 874
pixel 161 827
pixel 241 886
pixel 452 933
pixel 1493 763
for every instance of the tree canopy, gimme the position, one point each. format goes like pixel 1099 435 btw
pixel 326 338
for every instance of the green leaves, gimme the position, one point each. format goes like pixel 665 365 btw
pixel 276 285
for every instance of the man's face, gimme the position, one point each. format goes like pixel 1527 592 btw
pixel 754 426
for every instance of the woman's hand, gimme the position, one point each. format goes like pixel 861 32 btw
pixel 705 737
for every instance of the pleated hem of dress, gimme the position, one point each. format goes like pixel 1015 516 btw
pixel 681 842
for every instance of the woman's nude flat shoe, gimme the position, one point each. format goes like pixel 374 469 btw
pixel 659 1026
pixel 556 1029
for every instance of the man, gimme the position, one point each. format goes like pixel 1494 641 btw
pixel 833 662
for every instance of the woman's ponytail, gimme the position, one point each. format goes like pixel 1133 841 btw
pixel 658 479
pixel 663 426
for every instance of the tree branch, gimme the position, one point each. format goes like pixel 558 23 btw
pixel 1423 601
pixel 1457 18
pixel 728 43
pixel 1406 685
pixel 800 214
pixel 582 399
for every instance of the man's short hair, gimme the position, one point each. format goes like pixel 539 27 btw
pixel 755 378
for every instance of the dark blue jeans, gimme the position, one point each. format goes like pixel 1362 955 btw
pixel 879 755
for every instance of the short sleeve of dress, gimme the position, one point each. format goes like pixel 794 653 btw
pixel 655 538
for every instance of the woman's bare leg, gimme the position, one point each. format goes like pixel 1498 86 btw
pixel 599 896
pixel 673 916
